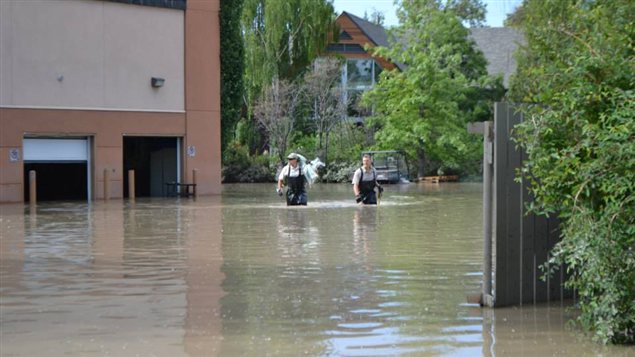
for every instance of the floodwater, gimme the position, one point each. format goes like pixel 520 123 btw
pixel 243 275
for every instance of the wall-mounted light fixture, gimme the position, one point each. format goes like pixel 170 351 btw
pixel 157 82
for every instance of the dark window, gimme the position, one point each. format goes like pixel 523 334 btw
pixel 345 36
pixel 345 48
pixel 171 4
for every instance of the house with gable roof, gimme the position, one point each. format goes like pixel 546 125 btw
pixel 362 69
pixel 498 45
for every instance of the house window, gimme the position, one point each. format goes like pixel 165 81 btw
pixel 361 74
pixel 345 48
pixel 358 76
pixel 345 36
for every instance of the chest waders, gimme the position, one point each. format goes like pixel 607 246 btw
pixel 367 189
pixel 296 194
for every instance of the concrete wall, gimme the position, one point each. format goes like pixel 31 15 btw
pixel 90 54
pixel 106 127
pixel 202 88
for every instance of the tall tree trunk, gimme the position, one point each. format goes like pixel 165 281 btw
pixel 421 160
pixel 326 148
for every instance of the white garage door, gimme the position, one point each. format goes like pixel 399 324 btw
pixel 56 150
pixel 59 150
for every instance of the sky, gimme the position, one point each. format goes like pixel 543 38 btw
pixel 497 10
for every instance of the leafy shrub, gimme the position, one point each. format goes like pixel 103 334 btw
pixel 238 166
pixel 580 142
pixel 304 145
pixel 339 171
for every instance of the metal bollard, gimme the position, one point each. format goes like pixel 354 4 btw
pixel 194 171
pixel 106 185
pixel 131 184
pixel 32 187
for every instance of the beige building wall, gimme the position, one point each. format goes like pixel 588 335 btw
pixel 105 92
pixel 106 128
pixel 202 88
pixel 90 55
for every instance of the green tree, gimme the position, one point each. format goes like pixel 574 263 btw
pixel 424 109
pixel 325 99
pixel 277 112
pixel 516 18
pixel 376 17
pixel 471 12
pixel 578 70
pixel 282 37
pixel 232 66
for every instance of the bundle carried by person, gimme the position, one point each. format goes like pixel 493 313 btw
pixel 310 168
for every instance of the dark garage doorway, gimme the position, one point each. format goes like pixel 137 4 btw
pixel 155 162
pixel 57 180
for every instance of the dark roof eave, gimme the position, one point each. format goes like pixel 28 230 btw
pixel 352 17
pixel 399 66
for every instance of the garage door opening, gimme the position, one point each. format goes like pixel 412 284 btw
pixel 58 181
pixel 62 167
pixel 155 161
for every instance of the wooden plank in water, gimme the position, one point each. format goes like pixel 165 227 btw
pixel 437 179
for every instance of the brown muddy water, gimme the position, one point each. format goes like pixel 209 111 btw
pixel 243 275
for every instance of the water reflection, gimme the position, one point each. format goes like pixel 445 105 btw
pixel 111 278
pixel 541 330
pixel 243 274
pixel 343 279
pixel 364 229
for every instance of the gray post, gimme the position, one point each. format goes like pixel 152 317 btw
pixel 485 129
pixel 194 172
pixel 488 168
pixel 32 187
pixel 106 184
pixel 131 185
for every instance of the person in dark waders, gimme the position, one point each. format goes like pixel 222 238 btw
pixel 296 193
pixel 364 183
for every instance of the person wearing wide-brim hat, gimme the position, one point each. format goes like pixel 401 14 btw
pixel 296 182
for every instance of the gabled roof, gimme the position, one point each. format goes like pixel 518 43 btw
pixel 375 33
pixel 498 45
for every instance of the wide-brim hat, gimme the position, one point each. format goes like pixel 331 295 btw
pixel 292 156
